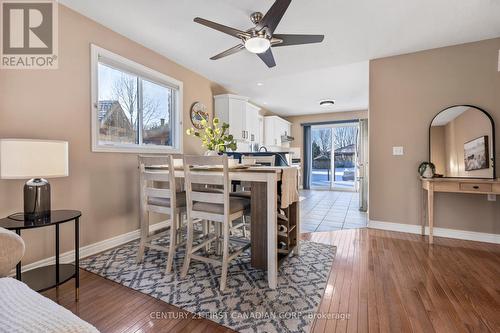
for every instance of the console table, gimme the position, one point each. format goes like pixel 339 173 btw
pixel 452 185
pixel 46 277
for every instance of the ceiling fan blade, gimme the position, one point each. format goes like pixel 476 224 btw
pixel 273 15
pixel 230 51
pixel 222 28
pixel 267 57
pixel 298 39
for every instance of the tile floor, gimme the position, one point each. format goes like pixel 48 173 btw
pixel 330 210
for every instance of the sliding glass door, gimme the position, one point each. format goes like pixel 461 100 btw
pixel 334 156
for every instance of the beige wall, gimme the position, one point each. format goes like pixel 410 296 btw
pixel 55 104
pixel 298 133
pixel 405 93
pixel 297 121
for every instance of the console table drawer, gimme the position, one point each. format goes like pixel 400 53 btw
pixel 471 187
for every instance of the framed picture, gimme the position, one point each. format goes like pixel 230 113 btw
pixel 476 154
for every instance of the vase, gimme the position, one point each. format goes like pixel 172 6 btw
pixel 211 153
pixel 428 172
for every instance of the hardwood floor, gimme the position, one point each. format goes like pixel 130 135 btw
pixel 380 281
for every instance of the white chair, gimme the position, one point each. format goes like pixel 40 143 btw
pixel 245 191
pixel 219 208
pixel 264 160
pixel 160 194
pixel 245 186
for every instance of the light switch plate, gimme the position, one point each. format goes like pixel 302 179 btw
pixel 397 151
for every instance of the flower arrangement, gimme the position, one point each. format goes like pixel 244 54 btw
pixel 213 136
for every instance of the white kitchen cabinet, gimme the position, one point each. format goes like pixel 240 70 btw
pixel 231 109
pixel 260 133
pixel 241 116
pixel 274 128
pixel 252 123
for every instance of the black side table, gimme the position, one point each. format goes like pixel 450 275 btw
pixel 50 276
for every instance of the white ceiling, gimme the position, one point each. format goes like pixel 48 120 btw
pixel 355 32
pixel 448 115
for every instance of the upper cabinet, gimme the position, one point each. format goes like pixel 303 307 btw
pixel 231 109
pixel 242 117
pixel 275 128
pixel 252 122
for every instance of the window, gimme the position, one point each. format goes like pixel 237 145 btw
pixel 134 109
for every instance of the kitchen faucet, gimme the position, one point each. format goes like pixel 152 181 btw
pixel 265 149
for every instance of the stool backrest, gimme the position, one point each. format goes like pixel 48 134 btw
pixel 265 160
pixel 207 181
pixel 157 181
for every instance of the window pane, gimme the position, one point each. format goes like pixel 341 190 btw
pixel 117 106
pixel 321 147
pixel 157 111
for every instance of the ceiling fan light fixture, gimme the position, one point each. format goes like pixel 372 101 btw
pixel 257 44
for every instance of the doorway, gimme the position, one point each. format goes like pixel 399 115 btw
pixel 334 150
pixel 335 194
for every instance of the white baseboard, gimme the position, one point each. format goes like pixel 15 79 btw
pixel 91 249
pixel 439 232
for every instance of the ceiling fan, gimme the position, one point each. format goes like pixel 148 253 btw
pixel 261 38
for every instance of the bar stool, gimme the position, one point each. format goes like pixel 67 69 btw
pixel 160 194
pixel 219 208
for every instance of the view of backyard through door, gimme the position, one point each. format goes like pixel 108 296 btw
pixel 338 164
pixel 334 156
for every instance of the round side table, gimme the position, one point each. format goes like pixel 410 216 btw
pixel 46 277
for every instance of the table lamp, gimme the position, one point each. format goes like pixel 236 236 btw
pixel 34 160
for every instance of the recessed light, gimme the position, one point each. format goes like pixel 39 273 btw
pixel 260 84
pixel 265 103
pixel 327 102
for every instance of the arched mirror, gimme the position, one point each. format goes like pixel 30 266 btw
pixel 462 143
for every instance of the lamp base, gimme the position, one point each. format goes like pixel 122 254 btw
pixel 36 198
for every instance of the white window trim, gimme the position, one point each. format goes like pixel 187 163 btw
pixel 147 73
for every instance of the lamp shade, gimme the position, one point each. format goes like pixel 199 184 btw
pixel 24 159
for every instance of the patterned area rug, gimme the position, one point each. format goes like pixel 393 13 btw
pixel 247 304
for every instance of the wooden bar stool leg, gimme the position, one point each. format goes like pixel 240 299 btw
pixel 244 221
pixel 205 230
pixel 173 240
pixel 189 247
pixel 219 239
pixel 144 236
pixel 225 257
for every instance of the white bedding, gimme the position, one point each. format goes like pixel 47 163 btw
pixel 23 310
